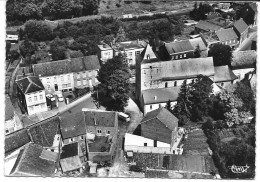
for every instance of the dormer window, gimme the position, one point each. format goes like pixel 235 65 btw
pixel 148 56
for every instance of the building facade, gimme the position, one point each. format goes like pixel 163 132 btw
pixel 241 29
pixel 31 94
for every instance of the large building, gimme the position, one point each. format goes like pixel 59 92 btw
pixel 31 94
pixel 130 48
pixel 66 75
pixel 152 73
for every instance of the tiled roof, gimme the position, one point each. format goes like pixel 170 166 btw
pixel 160 95
pixel 43 133
pixel 178 46
pixel 244 59
pixel 70 164
pixel 226 34
pixel 29 163
pixel 198 41
pixel 240 25
pixel 16 140
pixel 105 119
pixel 66 66
pixel 182 69
pixel 73 125
pixel 129 45
pixel 9 109
pixel 223 74
pixel 163 115
pixel 30 84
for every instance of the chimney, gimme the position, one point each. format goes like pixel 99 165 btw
pixel 95 120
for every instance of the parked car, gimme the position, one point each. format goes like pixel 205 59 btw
pixel 60 97
pixel 51 97
pixel 124 116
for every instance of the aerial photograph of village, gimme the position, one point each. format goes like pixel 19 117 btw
pixel 130 89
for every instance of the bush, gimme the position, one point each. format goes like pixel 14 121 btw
pixel 135 168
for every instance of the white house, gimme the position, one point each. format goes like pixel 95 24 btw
pixel 105 52
pixel 31 94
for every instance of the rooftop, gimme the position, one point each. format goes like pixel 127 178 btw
pixel 66 66
pixel 198 42
pixel 9 108
pixel 69 150
pixel 43 133
pixel 223 74
pixel 30 84
pixel 29 162
pixel 73 125
pixel 160 95
pixel 70 164
pixel 16 140
pixel 240 25
pixel 100 144
pixel 208 25
pixel 96 118
pixel 164 116
pixel 178 47
pixel 226 34
pixel 129 45
pixel 244 59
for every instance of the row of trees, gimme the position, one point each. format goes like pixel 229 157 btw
pixel 23 10
pixel 197 103
pixel 199 13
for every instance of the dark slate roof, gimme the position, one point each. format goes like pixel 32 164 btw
pixel 104 118
pixel 160 95
pixel 16 140
pixel 30 84
pixel 43 133
pixel 244 59
pixel 9 109
pixel 226 34
pixel 29 163
pixel 163 115
pixel 178 46
pixel 73 125
pixel 69 150
pixel 223 74
pixel 66 66
pixel 240 25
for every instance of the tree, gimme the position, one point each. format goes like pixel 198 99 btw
pixel 200 92
pixel 27 48
pixel 31 11
pixel 222 54
pixel 245 93
pixel 182 110
pixel 13 55
pixel 197 52
pixel 114 77
pixel 37 30
pixel 58 49
pixel 7 48
pixel 90 7
pixel 121 35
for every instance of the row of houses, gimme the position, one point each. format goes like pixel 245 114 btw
pixel 62 144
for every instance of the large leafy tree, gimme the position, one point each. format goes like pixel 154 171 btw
pixel 58 49
pixel 222 54
pixel 37 30
pixel 200 92
pixel 27 48
pixel 114 78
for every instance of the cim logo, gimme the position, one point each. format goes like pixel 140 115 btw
pixel 238 169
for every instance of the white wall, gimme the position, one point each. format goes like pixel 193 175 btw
pixel 36 106
pixel 240 73
pixel 106 54
pixel 147 108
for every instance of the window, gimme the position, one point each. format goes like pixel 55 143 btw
pixel 35 98
pixel 137 52
pixel 99 131
pixel 176 57
pixel 68 77
pixel 166 84
pixel 71 140
pixel 184 55
pixel 55 79
pixel 48 80
pixel 30 99
pixel 175 83
pixel 78 83
pixel 145 144
pixel 108 132
pixel 81 137
pixel 151 107
pixel 84 82
pixel 69 84
pixel 180 56
pixel 62 78
pixel 41 97
pixel 78 76
pixel 84 74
